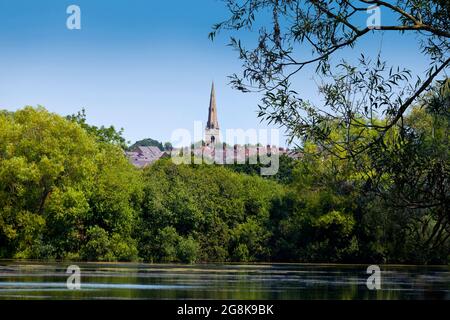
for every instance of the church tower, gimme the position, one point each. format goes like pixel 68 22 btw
pixel 212 131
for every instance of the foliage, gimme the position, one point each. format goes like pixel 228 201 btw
pixel 151 143
pixel 58 191
pixel 292 36
pixel 65 193
pixel 212 207
pixel 102 134
pixel 284 174
pixel 387 132
pixel 417 164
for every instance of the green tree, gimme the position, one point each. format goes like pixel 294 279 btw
pixel 102 134
pixel 213 206
pixel 324 196
pixel 58 189
pixel 284 174
pixel 416 162
pixel 147 143
pixel 41 155
pixel 314 35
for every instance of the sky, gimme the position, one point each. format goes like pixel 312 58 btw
pixel 145 66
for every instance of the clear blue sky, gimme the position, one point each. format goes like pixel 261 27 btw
pixel 143 65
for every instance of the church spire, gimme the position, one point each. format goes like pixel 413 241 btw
pixel 212 132
pixel 212 114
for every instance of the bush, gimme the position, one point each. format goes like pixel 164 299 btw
pixel 203 212
pixel 187 250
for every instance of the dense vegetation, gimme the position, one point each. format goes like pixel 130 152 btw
pixel 59 191
pixel 281 43
pixel 68 192
pixel 152 143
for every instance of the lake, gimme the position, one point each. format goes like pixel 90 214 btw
pixel 47 280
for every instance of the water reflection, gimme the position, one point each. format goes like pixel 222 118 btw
pixel 39 280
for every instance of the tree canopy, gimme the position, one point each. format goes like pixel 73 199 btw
pixel 66 193
pixel 315 33
pixel 58 188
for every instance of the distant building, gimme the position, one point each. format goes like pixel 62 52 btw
pixel 238 153
pixel 212 131
pixel 141 157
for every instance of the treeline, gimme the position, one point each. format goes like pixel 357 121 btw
pixel 68 192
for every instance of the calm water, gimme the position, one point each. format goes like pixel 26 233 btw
pixel 41 280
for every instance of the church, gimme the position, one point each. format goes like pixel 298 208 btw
pixel 212 130
pixel 142 156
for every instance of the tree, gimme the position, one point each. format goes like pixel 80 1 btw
pixel 58 190
pixel 356 96
pixel 367 115
pixel 59 197
pixel 103 134
pixel 417 164
pixel 321 223
pixel 389 206
pixel 252 167
pixel 205 213
pixel 168 146
pixel 147 143
pixel 41 155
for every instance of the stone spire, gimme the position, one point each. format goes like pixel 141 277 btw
pixel 212 132
pixel 212 114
